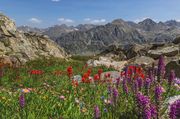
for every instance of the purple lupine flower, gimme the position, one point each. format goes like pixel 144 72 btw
pixel 144 105
pixel 129 80
pixel 125 87
pixel 177 81
pixel 147 113
pixel 135 86
pixel 140 83
pixel 171 77
pixel 150 75
pixel 158 93
pixel 147 85
pixel 115 95
pixel 161 66
pixel 22 100
pixel 153 110
pixel 96 112
pixel 175 110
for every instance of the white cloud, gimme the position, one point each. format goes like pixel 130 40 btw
pixel 95 21
pixel 87 19
pixel 35 21
pixel 55 0
pixel 65 21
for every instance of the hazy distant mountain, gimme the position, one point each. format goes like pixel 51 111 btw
pixel 172 23
pixel 92 39
pixel 99 38
pixel 57 30
pixel 84 27
pixel 30 29
pixel 119 32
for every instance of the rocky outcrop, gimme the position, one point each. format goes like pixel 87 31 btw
pixel 108 62
pixel 25 46
pixel 142 61
pixel 134 50
pixel 176 40
pixel 168 51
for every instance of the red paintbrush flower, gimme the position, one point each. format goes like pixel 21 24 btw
pixel 70 71
pixel 83 80
pixel 89 71
pixel 36 72
pixel 96 77
pixel 86 75
pixel 100 71
pixel 107 75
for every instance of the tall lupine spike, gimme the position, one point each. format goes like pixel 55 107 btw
pixel 153 111
pixel 161 68
pixel 115 95
pixel 135 86
pixel 125 87
pixel 144 105
pixel 150 75
pixel 96 112
pixel 140 83
pixel 147 85
pixel 171 77
pixel 158 95
pixel 174 112
pixel 22 100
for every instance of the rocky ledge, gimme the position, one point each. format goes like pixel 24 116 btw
pixel 17 47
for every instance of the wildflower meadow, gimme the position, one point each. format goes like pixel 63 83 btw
pixel 60 89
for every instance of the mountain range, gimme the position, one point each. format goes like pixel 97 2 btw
pixel 91 39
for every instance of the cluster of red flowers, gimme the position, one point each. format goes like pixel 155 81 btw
pixel 100 71
pixel 36 72
pixel 85 77
pixel 133 72
pixel 107 75
pixel 70 71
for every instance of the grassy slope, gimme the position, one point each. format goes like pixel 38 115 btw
pixel 43 102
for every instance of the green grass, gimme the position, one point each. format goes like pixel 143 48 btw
pixel 44 102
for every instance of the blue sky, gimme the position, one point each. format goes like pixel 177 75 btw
pixel 44 13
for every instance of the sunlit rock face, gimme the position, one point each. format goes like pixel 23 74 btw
pixel 23 47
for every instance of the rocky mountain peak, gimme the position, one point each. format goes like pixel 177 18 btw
pixel 21 47
pixel 7 25
pixel 119 22
pixel 147 21
pixel 172 23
